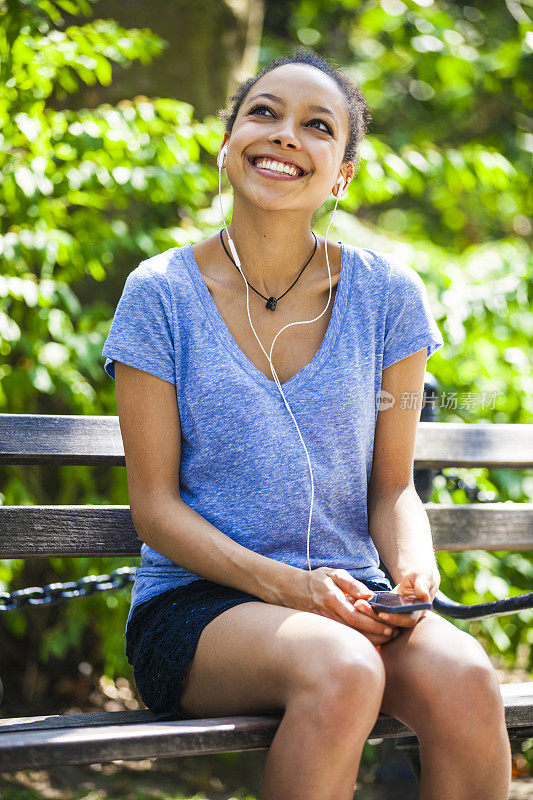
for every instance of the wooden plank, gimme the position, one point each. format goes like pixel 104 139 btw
pixel 451 444
pixel 68 531
pixel 60 439
pixel 49 722
pixel 481 526
pixel 91 744
pixel 45 742
pixel 72 439
pixel 83 531
pixel 385 725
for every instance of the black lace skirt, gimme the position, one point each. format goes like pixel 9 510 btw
pixel 163 632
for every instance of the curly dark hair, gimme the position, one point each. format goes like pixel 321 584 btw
pixel 358 111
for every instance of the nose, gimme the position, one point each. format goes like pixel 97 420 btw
pixel 285 136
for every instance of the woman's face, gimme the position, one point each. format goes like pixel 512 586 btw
pixel 294 129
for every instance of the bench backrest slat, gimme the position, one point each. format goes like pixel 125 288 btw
pixel 83 531
pixel 65 439
pixel 77 531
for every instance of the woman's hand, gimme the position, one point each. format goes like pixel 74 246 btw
pixel 332 593
pixel 420 584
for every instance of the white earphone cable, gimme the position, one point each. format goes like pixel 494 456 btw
pixel 302 322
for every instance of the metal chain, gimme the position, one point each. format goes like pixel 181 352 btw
pixel 55 592
pixel 120 578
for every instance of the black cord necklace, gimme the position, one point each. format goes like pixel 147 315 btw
pixel 271 301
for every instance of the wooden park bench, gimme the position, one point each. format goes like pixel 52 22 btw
pixel 106 530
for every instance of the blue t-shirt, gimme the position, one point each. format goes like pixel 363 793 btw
pixel 243 467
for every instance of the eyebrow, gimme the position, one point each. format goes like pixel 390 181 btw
pixel 321 109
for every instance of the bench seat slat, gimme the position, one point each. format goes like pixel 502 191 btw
pixel 89 744
pixel 111 736
pixel 81 531
pixel 49 721
pixel 90 440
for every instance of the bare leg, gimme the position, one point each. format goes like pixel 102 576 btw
pixel 476 769
pixel 317 748
pixel 324 677
pixel 442 684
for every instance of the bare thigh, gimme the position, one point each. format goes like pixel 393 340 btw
pixel 254 656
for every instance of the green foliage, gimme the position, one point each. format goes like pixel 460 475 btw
pixel 86 194
pixel 79 192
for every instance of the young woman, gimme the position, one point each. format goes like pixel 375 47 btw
pixel 233 610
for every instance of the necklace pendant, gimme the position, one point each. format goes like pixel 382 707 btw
pixel 271 303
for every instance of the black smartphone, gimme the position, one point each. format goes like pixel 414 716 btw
pixel 397 603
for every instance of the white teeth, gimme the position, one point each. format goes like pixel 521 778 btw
pixel 276 166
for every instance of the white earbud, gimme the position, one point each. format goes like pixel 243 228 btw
pixel 220 163
pixel 220 157
pixel 340 184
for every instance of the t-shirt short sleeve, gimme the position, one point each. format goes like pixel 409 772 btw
pixel 141 333
pixel 409 324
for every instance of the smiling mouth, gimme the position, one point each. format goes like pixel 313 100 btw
pixel 293 174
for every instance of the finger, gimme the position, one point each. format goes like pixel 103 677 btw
pixel 407 620
pixel 330 614
pixel 369 625
pixel 349 585
pixel 365 608
pixel 345 612
pixel 421 588
pixel 378 636
pixel 341 606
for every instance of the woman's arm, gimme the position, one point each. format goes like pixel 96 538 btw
pixel 151 433
pixel 401 532
pixel 398 522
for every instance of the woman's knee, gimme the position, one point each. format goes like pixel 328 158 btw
pixel 461 680
pixel 478 683
pixel 346 676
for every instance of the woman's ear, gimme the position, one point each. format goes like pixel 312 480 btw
pixel 341 187
pixel 347 172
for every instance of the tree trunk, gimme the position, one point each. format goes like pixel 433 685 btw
pixel 212 46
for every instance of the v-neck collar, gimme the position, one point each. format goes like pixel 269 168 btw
pixel 317 362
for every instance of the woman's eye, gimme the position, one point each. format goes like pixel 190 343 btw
pixel 260 110
pixel 328 129
pixel 253 111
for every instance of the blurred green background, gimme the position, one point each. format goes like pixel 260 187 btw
pixel 108 138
